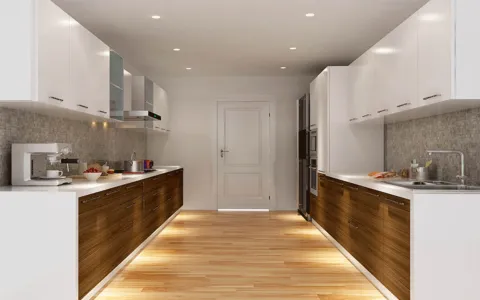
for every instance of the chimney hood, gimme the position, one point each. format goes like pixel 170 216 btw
pixel 141 115
pixel 141 107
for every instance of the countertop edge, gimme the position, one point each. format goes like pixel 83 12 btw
pixel 366 182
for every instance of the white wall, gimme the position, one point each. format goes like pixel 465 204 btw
pixel 193 121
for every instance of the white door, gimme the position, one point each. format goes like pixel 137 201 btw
pixel 243 155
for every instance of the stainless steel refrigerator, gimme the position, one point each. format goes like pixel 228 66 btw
pixel 303 159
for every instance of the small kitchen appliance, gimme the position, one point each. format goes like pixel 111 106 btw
pixel 29 164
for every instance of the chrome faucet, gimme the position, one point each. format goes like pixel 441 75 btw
pixel 462 176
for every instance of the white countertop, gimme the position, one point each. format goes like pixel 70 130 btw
pixel 83 187
pixel 403 192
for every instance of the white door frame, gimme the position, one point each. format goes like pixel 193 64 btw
pixel 272 144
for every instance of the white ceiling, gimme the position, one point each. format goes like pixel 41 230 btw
pixel 239 37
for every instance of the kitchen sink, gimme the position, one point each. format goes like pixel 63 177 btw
pixel 430 185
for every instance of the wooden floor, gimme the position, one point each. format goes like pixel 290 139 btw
pixel 212 255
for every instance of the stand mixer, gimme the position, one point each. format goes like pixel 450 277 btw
pixel 29 162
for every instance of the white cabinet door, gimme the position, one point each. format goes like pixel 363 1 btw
pixel 99 77
pixel 321 91
pixel 80 92
pixel 364 96
pixel 435 38
pixel 396 69
pixel 53 55
pixel 160 106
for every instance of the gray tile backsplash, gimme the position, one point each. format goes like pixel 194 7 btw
pixel 459 131
pixel 90 143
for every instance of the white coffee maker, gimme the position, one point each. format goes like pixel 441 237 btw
pixel 29 163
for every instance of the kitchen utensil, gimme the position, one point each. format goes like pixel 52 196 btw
pixel 82 167
pixel 428 164
pixel 133 165
pixel 148 164
pixel 92 176
pixel 54 173
pixel 422 174
pixel 105 168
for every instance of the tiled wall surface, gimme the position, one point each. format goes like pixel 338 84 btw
pixel 89 142
pixel 454 131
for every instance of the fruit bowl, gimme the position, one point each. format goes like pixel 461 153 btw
pixel 92 176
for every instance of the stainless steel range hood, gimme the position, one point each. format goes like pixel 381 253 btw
pixel 141 115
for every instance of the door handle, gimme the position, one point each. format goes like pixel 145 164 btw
pixel 222 153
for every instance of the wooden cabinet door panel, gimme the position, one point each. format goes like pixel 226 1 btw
pixel 366 208
pixel 395 286
pixel 367 247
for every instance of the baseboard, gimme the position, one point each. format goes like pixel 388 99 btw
pixel 243 209
pixel 127 260
pixel 357 264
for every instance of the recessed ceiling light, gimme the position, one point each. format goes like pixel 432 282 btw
pixel 283 68
pixel 156 17
pixel 176 49
pixel 310 15
pixel 188 68
pixel 293 48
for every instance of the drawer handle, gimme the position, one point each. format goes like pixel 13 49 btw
pixel 111 193
pixel 102 111
pixel 154 179
pixel 382 111
pixel 155 208
pixel 82 106
pixel 354 119
pixel 431 97
pixel 155 194
pixel 351 224
pixel 395 202
pixel 90 200
pixel 133 186
pixel 130 206
pixel 367 115
pixel 337 183
pixel 404 104
pixel 351 188
pixel 55 98
pixel 371 194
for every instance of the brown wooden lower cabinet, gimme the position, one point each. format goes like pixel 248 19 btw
pixel 113 223
pixel 373 227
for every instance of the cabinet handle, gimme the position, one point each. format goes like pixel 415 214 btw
pixel 371 194
pixel 55 98
pixel 381 111
pixel 163 128
pixel 168 130
pixel 351 224
pixel 404 104
pixel 337 183
pixel 354 119
pixel 155 194
pixel 367 115
pixel 82 106
pixel 433 96
pixel 155 208
pixel 102 111
pixel 130 206
pixel 154 179
pixel 133 186
pixel 312 125
pixel 112 193
pixel 351 188
pixel 395 202
pixel 90 200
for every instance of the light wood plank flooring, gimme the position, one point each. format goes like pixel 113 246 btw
pixel 213 255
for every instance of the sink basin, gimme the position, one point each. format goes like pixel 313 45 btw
pixel 430 185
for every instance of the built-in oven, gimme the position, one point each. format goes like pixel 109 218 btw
pixel 313 176
pixel 313 143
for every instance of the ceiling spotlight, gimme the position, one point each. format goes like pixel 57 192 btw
pixel 283 68
pixel 310 15
pixel 176 49
pixel 188 68
pixel 293 48
pixel 155 17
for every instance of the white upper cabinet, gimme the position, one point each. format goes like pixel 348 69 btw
pixel 53 55
pixel 313 105
pixel 435 51
pixel 51 60
pixel 160 106
pixel 319 117
pixel 363 93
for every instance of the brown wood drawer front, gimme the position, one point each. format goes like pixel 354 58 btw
pixel 152 183
pixel 135 188
pixel 395 286
pixel 96 200
pixel 366 208
pixel 397 202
